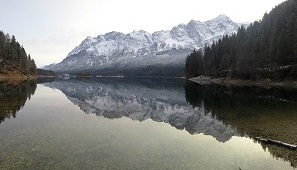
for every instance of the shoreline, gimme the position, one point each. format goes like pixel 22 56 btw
pixel 265 83
pixel 14 79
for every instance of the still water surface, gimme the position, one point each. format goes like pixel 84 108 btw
pixel 144 124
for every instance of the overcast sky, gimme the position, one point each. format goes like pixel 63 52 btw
pixel 50 29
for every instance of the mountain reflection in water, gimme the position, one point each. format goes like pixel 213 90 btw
pixel 161 100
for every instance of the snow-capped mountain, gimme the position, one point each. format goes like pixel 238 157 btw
pixel 159 100
pixel 116 53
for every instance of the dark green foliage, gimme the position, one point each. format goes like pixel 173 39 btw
pixel 194 64
pixel 12 53
pixel 265 49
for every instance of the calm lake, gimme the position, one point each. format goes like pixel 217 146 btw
pixel 125 123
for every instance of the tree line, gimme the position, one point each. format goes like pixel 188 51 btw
pixel 14 54
pixel 265 49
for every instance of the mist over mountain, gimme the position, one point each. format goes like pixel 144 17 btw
pixel 141 53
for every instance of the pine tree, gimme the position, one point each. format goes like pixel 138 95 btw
pixel 194 64
pixel 290 36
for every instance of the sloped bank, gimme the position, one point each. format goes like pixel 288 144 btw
pixel 9 72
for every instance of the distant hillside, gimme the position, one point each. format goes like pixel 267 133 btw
pixel 14 61
pixel 45 73
pixel 265 49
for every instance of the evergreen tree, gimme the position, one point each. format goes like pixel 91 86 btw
pixel 282 50
pixel 194 64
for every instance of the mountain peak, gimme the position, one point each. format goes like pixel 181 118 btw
pixel 139 31
pixel 193 22
pixel 89 38
pixel 222 17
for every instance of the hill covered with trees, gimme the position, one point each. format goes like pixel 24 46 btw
pixel 265 49
pixel 14 61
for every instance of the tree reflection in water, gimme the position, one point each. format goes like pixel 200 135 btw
pixel 13 96
pixel 253 112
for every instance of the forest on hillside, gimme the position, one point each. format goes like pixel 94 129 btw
pixel 265 49
pixel 14 57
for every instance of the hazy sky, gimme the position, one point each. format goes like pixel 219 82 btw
pixel 50 29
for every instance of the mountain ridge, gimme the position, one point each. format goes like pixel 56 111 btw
pixel 119 52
